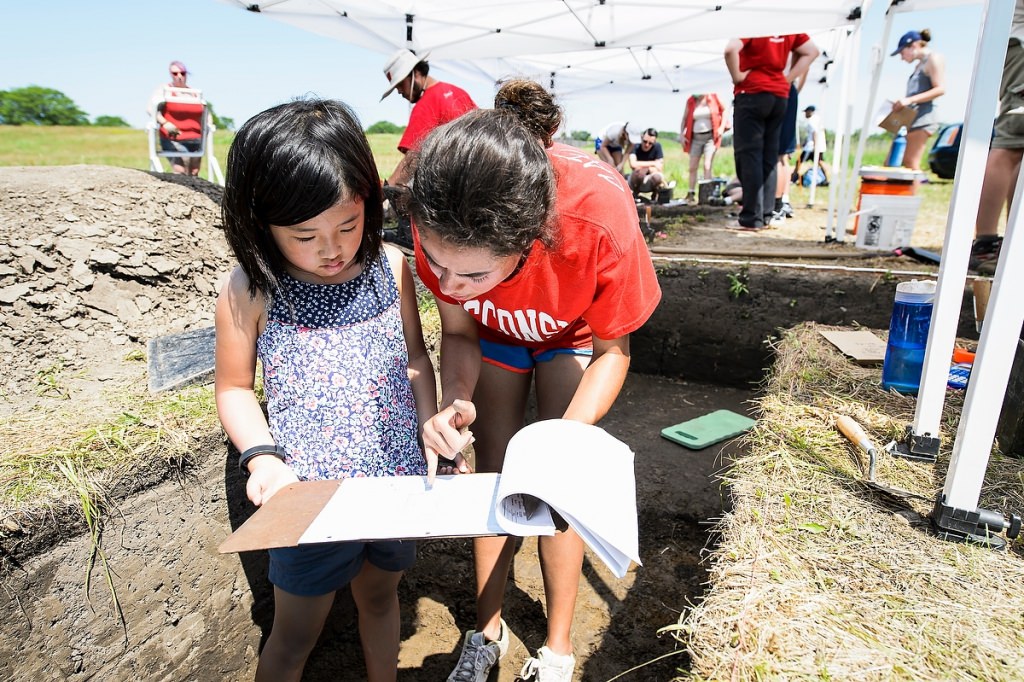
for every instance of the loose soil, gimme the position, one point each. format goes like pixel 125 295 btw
pixel 100 261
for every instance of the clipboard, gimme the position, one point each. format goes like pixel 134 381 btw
pixel 895 120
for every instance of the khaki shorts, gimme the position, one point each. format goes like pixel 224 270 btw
pixel 1009 129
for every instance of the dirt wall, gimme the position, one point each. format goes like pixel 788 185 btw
pixel 716 322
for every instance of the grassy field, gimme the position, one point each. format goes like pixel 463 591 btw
pixel 128 148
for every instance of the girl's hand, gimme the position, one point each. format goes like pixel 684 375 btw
pixel 901 103
pixel 268 475
pixel 445 435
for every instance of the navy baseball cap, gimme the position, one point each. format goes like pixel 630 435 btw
pixel 908 38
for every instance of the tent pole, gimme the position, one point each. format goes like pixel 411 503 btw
pixel 991 371
pixel 847 54
pixel 956 515
pixel 877 54
pixel 963 211
pixel 841 157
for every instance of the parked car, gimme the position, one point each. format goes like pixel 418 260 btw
pixel 942 158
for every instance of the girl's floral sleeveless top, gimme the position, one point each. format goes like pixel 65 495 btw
pixel 335 375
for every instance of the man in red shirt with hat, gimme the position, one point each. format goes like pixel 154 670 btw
pixel 434 103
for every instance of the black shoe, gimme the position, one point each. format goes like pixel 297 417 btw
pixel 985 255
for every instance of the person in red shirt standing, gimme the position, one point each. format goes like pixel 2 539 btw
pixel 761 91
pixel 534 253
pixel 434 103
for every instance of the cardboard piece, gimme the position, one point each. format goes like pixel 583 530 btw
pixel 862 346
pixel 699 433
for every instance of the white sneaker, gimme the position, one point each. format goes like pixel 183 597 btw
pixel 479 655
pixel 548 666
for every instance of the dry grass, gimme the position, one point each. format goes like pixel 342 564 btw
pixel 125 431
pixel 819 578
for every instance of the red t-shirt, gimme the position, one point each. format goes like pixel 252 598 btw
pixel 596 280
pixel 440 103
pixel 766 59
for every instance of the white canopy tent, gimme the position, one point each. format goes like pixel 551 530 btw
pixel 467 29
pixel 643 47
pixel 649 49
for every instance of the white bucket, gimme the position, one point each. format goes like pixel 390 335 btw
pixel 886 222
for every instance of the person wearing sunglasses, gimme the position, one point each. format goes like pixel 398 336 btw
pixel 180 129
pixel 646 162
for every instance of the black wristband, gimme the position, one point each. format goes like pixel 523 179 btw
pixel 255 451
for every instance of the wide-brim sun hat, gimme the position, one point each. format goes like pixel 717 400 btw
pixel 399 66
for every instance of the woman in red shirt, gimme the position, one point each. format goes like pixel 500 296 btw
pixel 704 121
pixel 534 253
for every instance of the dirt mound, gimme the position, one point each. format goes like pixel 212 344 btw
pixel 101 260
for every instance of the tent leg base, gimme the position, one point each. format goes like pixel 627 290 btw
pixel 979 527
pixel 921 448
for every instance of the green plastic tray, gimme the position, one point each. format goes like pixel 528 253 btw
pixel 709 429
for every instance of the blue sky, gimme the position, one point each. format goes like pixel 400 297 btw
pixel 109 55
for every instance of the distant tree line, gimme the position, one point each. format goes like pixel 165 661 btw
pixel 385 128
pixel 35 105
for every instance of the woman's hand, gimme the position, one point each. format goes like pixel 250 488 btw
pixel 445 435
pixel 171 129
pixel 901 103
pixel 268 474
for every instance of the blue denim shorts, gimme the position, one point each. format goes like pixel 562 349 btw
pixel 313 570
pixel 522 360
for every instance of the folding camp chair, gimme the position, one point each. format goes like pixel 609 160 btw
pixel 184 103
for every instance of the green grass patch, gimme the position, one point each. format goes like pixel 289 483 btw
pixel 128 148
pixel 40 447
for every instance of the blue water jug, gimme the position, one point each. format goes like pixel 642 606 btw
pixel 908 336
pixel 899 146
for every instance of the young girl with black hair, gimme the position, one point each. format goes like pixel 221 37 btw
pixel 331 314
